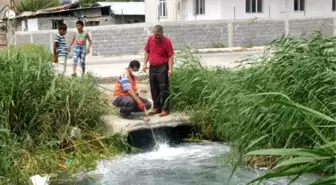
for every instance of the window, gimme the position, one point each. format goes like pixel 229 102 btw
pixel 299 5
pixel 333 5
pixel 162 9
pixel 105 11
pixel 133 21
pixel 200 7
pixel 55 24
pixel 254 6
pixel 92 23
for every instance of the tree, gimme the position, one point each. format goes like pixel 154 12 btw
pixel 34 5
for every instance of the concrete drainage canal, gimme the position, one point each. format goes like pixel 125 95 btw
pixel 174 162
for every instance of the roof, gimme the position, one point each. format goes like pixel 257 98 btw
pixel 48 10
pixel 61 7
pixel 124 8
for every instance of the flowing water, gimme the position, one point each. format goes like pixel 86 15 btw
pixel 186 164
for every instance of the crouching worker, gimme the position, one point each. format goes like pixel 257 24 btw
pixel 125 92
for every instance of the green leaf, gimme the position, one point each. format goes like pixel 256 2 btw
pixel 291 152
pixel 325 181
pixel 269 93
pixel 256 141
pixel 329 145
pixel 308 168
pixel 310 111
pixel 303 108
pixel 292 170
pixel 300 160
pixel 5 130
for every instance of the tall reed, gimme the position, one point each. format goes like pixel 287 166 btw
pixel 296 161
pixel 220 100
pixel 37 111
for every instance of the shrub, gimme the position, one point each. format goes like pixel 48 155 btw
pixel 297 161
pixel 224 103
pixel 37 110
pixel 302 69
pixel 38 102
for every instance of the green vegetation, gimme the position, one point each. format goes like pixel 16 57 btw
pixel 218 45
pixel 253 107
pixel 38 110
pixel 294 162
pixel 34 5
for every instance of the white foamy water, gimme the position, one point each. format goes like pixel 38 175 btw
pixel 187 164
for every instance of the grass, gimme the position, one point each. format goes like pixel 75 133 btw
pixel 38 109
pixel 218 45
pixel 295 162
pixel 247 106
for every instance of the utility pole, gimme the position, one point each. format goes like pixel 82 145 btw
pixel 12 4
pixel 10 31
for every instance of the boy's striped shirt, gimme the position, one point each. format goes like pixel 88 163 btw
pixel 62 49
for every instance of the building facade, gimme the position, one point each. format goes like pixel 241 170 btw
pixel 190 10
pixel 99 14
pixel 126 12
pixel 49 19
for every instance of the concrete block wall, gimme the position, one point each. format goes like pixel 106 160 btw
pixel 198 34
pixel 257 33
pixel 109 41
pixel 45 38
pixel 297 27
pixel 41 39
pixel 131 38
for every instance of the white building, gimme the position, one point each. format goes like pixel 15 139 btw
pixel 188 10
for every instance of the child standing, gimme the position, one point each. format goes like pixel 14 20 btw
pixel 60 49
pixel 80 50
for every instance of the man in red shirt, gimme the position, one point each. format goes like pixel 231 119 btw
pixel 160 54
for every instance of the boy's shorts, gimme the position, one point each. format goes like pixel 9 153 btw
pixel 60 67
pixel 79 55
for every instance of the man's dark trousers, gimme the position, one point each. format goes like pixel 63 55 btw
pixel 159 85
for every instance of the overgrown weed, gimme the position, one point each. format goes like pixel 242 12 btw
pixel 220 100
pixel 37 112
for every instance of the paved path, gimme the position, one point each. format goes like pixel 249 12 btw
pixel 111 67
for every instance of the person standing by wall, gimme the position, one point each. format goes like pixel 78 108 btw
pixel 80 50
pixel 159 52
pixel 60 49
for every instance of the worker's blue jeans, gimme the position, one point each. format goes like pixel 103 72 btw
pixel 127 105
